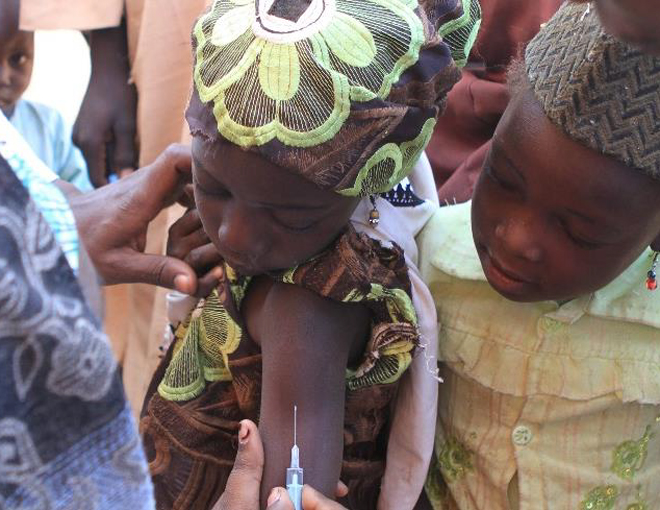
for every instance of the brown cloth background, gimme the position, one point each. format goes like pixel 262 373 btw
pixel 462 136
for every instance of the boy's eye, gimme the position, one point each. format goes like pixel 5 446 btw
pixel 579 240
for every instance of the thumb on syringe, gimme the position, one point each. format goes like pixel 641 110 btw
pixel 242 489
pixel 311 499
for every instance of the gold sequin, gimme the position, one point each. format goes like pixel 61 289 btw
pixel 549 326
pixel 629 456
pixel 600 498
pixel 455 459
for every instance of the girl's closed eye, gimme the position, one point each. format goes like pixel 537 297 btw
pixel 294 222
pixel 210 187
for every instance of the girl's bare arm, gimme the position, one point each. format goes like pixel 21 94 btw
pixel 306 342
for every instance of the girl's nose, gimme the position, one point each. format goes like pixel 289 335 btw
pixel 240 233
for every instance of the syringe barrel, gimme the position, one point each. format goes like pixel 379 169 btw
pixel 294 486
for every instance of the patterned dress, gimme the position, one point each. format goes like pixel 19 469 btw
pixel 211 377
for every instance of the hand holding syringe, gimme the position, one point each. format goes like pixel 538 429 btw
pixel 294 473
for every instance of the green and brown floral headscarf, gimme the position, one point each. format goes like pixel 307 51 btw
pixel 342 92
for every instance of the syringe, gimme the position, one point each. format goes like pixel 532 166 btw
pixel 294 473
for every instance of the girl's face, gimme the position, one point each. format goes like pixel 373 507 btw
pixel 552 219
pixel 260 217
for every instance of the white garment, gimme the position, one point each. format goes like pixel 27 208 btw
pixel 412 429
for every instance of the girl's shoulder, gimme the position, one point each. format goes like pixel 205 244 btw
pixel 279 312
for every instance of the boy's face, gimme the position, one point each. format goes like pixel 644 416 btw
pixel 261 217
pixel 634 21
pixel 552 219
pixel 16 59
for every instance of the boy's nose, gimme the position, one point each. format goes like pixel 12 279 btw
pixel 517 235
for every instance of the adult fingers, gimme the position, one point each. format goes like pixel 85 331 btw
pixel 242 489
pixel 124 147
pixel 165 179
pixel 93 149
pixel 208 282
pixel 187 224
pixel 203 257
pixel 187 198
pixel 125 151
pixel 342 489
pixel 278 499
pixel 137 267
pixel 314 500
pixel 125 172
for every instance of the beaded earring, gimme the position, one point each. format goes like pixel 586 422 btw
pixel 374 215
pixel 652 280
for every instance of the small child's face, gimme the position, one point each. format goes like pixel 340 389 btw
pixel 260 217
pixel 16 59
pixel 552 219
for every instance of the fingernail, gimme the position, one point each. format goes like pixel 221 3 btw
pixel 182 283
pixel 274 496
pixel 243 433
pixel 219 272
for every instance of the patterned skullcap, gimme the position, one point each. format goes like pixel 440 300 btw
pixel 342 92
pixel 598 90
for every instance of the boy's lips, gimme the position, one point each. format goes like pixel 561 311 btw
pixel 502 278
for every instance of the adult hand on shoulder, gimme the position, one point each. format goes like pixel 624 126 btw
pixel 112 222
pixel 188 241
pixel 105 129
pixel 243 485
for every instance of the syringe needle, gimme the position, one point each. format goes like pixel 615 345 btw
pixel 294 474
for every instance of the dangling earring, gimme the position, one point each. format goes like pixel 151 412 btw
pixel 374 215
pixel 652 281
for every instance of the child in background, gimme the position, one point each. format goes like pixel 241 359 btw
pixel 42 127
pixel 303 113
pixel 550 329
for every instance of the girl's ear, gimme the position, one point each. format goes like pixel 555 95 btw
pixel 655 245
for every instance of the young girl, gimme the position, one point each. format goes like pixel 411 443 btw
pixel 544 289
pixel 302 111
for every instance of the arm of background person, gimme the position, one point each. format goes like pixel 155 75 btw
pixel 8 19
pixel 105 129
pixel 112 222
